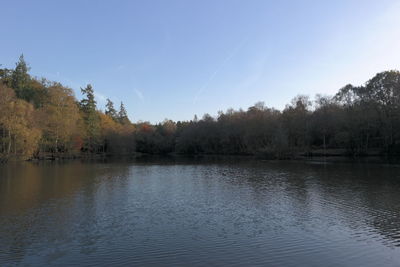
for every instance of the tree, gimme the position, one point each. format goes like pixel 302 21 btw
pixel 7 96
pixel 110 110
pixel 325 121
pixel 5 76
pixel 20 136
pixel 43 116
pixel 347 95
pixel 91 118
pixel 382 93
pixel 59 118
pixel 24 86
pixel 122 115
pixel 20 78
pixel 296 121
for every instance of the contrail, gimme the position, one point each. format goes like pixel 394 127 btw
pixel 139 94
pixel 226 60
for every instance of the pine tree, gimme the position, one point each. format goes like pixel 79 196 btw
pixel 122 115
pixel 88 107
pixel 110 110
pixel 20 80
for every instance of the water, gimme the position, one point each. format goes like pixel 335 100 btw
pixel 199 213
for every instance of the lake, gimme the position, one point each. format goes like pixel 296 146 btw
pixel 197 212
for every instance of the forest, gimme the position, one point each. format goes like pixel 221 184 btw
pixel 42 119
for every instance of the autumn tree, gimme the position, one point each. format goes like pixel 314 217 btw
pixel 20 136
pixel 5 76
pixel 59 117
pixel 37 115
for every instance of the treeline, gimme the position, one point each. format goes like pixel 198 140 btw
pixel 39 118
pixel 357 121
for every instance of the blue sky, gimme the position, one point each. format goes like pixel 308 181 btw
pixel 173 59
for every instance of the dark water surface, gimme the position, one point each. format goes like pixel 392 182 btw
pixel 199 213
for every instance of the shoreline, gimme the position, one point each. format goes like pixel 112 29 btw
pixel 314 155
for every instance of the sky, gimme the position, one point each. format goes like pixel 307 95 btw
pixel 174 59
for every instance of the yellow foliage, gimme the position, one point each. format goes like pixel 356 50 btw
pixel 17 121
pixel 59 117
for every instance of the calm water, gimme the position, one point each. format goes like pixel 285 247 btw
pixel 199 213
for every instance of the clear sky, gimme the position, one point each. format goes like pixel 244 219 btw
pixel 173 59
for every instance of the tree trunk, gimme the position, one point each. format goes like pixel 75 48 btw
pixel 9 143
pixel 15 146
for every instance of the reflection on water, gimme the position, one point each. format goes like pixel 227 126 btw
pixel 199 212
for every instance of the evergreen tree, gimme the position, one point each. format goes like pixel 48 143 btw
pixel 122 115
pixel 110 110
pixel 88 104
pixel 20 80
pixel 91 118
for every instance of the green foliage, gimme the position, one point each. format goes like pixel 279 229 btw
pixel 25 87
pixel 20 78
pixel 56 125
pixel 110 110
pixel 39 118
pixel 88 104
pixel 91 118
pixel 123 115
